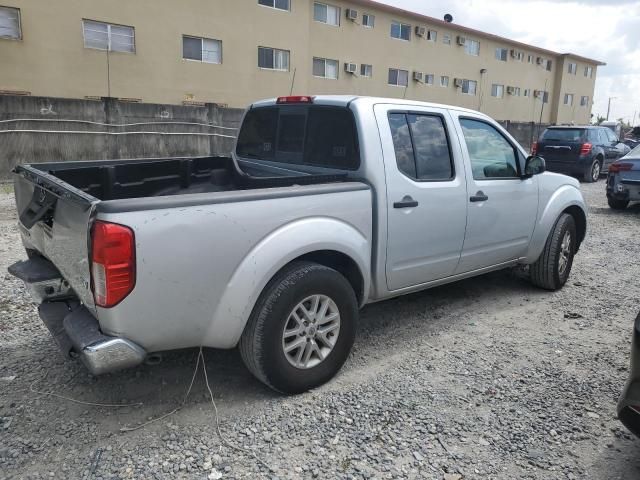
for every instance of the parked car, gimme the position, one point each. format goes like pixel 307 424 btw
pixel 327 203
pixel 629 402
pixel 616 127
pixel 585 152
pixel 623 181
pixel 632 138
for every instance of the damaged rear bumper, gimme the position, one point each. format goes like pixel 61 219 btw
pixel 629 402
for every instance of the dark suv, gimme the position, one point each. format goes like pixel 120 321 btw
pixel 585 152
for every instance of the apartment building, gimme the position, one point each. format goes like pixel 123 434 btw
pixel 236 51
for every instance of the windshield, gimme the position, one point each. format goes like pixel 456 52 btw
pixel 317 135
pixel 563 134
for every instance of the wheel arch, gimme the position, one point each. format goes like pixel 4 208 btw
pixel 580 218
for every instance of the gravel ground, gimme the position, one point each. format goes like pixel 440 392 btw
pixel 486 378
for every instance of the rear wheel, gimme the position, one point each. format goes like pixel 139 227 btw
pixel 617 204
pixel 592 174
pixel 552 268
pixel 301 329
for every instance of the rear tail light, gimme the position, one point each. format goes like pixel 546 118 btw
pixel 295 99
pixel 113 263
pixel 620 167
pixel 585 149
pixel 534 148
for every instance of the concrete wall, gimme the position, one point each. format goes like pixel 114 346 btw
pixel 43 129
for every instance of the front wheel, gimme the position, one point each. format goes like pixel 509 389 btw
pixel 552 268
pixel 617 204
pixel 301 329
pixel 592 174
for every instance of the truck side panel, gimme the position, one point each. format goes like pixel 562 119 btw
pixel 191 259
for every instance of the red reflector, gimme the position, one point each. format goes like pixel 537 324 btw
pixel 585 148
pixel 616 167
pixel 295 99
pixel 534 148
pixel 113 265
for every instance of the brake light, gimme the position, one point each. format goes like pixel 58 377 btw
pixel 620 167
pixel 295 99
pixel 585 149
pixel 113 265
pixel 534 148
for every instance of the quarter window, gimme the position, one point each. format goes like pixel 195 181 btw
pixel 368 20
pixel 10 23
pixel 328 14
pixel 326 68
pixel 472 47
pixel 201 49
pixel 106 36
pixel 421 146
pixel 400 31
pixel 279 4
pixel 491 155
pixel 273 58
pixel 398 77
pixel 501 54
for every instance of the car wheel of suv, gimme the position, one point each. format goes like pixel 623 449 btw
pixel 301 329
pixel 552 268
pixel 617 204
pixel 593 173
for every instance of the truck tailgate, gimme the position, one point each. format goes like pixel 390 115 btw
pixel 55 221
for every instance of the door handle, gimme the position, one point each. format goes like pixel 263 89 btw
pixel 406 202
pixel 479 197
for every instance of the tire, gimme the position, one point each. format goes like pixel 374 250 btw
pixel 550 271
pixel 592 174
pixel 617 204
pixel 262 345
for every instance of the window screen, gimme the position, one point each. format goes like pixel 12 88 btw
pixel 10 23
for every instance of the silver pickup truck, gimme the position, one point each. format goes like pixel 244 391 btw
pixel 327 203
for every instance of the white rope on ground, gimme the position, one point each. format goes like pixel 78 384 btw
pixel 84 132
pixel 89 122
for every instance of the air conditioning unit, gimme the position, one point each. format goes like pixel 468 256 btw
pixel 418 76
pixel 350 67
pixel 352 14
pixel 539 60
pixel 421 31
pixel 511 90
pixel 461 40
pixel 537 93
pixel 457 82
pixel 514 53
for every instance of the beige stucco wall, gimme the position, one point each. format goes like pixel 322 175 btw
pixel 51 60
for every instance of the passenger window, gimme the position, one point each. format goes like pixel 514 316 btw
pixel 612 136
pixel 421 146
pixel 491 155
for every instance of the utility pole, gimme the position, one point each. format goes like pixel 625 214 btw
pixel 609 106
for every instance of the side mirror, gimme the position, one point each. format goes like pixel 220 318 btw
pixel 534 165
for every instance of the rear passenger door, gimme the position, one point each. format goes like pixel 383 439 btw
pixel 502 206
pixel 426 194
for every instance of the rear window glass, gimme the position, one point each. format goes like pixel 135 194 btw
pixel 563 134
pixel 300 134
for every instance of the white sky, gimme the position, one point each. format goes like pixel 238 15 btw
pixel 606 30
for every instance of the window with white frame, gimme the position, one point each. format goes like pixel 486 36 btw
pixel 444 81
pixel 516 91
pixel 273 58
pixel 368 20
pixel 472 47
pixel 568 98
pixel 527 92
pixel 401 31
pixel 206 50
pixel 107 36
pixel 366 70
pixel 529 58
pixel 328 14
pixel 549 65
pixel 545 97
pixel 325 68
pixel 469 87
pixel 432 35
pixel 501 54
pixel 572 68
pixel 446 39
pixel 497 90
pixel 428 79
pixel 10 23
pixel 584 101
pixel 588 72
pixel 277 4
pixel 398 77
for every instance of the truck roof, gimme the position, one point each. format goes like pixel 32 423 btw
pixel 346 100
